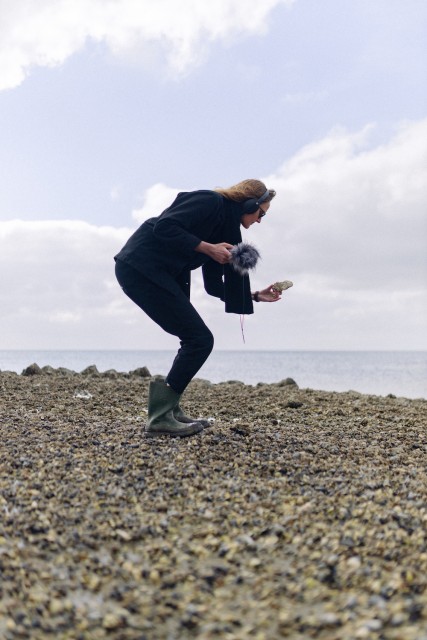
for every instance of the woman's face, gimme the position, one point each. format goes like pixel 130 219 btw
pixel 249 218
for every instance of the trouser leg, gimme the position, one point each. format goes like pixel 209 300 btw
pixel 175 314
pixel 196 345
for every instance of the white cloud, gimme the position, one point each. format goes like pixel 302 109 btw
pixel 351 216
pixel 348 226
pixel 156 199
pixel 47 32
pixel 60 288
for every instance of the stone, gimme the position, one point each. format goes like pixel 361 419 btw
pixel 32 370
pixel 272 523
pixel 91 370
pixel 141 372
pixel 48 370
pixel 64 371
pixel 287 382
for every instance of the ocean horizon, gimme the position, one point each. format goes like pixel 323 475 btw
pixel 401 373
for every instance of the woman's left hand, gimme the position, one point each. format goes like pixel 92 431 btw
pixel 269 295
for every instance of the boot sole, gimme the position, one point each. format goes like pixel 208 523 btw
pixel 205 423
pixel 182 433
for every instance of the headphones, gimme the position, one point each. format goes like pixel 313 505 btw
pixel 252 205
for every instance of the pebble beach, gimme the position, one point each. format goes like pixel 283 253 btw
pixel 297 514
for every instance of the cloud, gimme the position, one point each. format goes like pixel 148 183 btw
pixel 47 32
pixel 156 199
pixel 348 226
pixel 352 216
pixel 61 289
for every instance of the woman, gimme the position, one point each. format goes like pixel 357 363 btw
pixel 197 230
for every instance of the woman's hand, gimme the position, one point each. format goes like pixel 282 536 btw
pixel 219 252
pixel 268 295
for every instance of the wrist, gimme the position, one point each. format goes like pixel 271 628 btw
pixel 204 247
pixel 255 296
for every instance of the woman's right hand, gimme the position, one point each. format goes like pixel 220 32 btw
pixel 219 252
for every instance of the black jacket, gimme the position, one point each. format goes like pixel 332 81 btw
pixel 164 247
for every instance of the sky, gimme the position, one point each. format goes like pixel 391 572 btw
pixel 108 108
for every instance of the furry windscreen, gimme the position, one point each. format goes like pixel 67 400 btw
pixel 244 257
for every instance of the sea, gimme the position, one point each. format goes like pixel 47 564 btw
pixel 401 373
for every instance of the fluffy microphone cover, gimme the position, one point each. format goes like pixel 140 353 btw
pixel 244 257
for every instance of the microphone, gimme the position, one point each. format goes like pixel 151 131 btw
pixel 244 257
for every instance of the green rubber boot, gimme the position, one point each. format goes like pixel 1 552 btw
pixel 161 401
pixel 179 415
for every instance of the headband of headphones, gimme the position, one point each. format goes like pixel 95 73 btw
pixel 263 197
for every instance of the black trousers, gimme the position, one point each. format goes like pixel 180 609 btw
pixel 175 314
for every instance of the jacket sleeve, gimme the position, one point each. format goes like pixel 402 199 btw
pixel 191 218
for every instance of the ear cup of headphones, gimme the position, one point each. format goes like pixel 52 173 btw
pixel 252 204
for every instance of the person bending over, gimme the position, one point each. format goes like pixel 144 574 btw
pixel 153 268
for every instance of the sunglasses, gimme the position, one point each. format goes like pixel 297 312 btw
pixel 261 213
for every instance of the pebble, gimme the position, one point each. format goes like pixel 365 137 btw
pixel 298 513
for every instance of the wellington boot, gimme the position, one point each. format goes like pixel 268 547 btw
pixel 161 401
pixel 181 417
